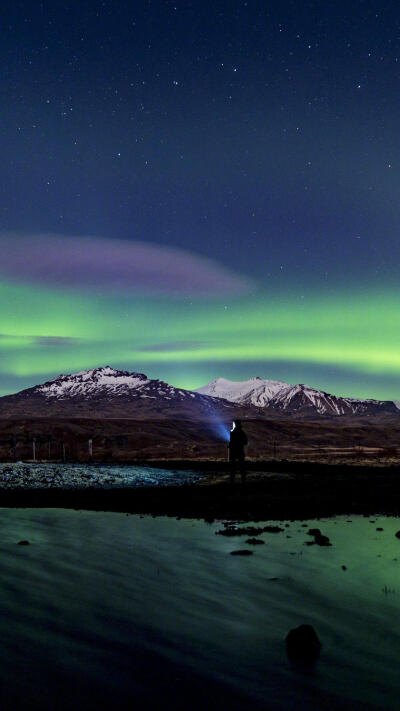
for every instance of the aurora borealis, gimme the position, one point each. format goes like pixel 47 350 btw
pixel 194 190
pixel 328 337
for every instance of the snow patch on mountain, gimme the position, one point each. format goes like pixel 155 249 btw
pixel 301 397
pixel 88 382
pixel 255 391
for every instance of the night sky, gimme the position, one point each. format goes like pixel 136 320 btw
pixel 201 189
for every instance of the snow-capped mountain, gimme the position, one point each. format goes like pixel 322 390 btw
pixel 299 399
pixel 109 392
pixel 87 383
pixel 106 382
pixel 255 391
pixel 306 399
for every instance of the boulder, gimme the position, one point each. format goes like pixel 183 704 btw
pixel 242 552
pixel 303 645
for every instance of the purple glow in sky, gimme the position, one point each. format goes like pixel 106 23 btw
pixel 115 265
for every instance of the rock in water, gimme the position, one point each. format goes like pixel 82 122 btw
pixel 303 645
pixel 23 543
pixel 242 552
pixel 319 538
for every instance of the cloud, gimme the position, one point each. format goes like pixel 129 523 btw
pixel 40 340
pixel 171 346
pixel 56 341
pixel 115 265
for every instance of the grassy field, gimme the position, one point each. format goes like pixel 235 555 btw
pixel 127 440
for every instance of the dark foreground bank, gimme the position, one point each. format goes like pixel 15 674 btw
pixel 292 491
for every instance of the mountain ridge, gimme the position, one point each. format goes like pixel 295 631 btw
pixel 108 392
pixel 273 395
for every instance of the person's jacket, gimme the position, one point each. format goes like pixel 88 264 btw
pixel 238 440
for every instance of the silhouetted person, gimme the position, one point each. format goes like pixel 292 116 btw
pixel 237 443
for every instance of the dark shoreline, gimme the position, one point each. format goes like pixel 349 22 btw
pixel 285 490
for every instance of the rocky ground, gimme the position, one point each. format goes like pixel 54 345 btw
pixel 39 475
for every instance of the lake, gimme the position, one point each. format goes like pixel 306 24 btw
pixel 105 610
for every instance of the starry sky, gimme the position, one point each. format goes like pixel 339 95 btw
pixel 201 189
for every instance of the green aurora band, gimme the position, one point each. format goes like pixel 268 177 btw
pixel 48 331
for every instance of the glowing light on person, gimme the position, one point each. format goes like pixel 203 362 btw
pixel 220 428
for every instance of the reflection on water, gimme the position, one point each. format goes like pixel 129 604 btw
pixel 104 610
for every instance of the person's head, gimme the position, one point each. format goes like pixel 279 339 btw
pixel 237 423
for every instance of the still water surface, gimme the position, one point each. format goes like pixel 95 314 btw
pixel 104 610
